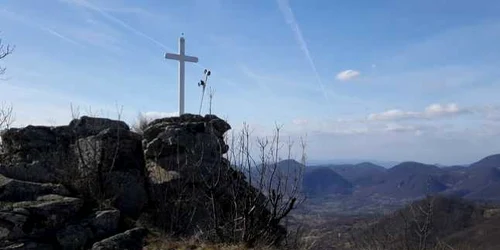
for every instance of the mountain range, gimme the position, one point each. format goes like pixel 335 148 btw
pixel 406 180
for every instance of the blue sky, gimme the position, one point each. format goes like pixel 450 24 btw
pixel 384 80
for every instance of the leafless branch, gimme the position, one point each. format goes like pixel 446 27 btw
pixel 211 94
pixel 6 116
pixel 5 50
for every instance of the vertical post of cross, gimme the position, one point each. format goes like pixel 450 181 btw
pixel 182 58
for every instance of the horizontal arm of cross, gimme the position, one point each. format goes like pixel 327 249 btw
pixel 183 58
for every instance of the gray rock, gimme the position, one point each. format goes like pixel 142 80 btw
pixel 111 149
pixel 129 240
pixel 158 175
pixel 11 225
pixel 88 126
pixel 128 191
pixel 105 223
pixel 49 212
pixel 30 138
pixel 27 245
pixel 152 130
pixel 81 155
pixel 73 237
pixel 15 190
pixel 219 125
pixel 34 171
pixel 177 119
pixel 184 158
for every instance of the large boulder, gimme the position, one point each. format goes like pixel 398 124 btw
pixel 105 223
pixel 127 192
pixel 98 158
pixel 97 226
pixel 112 149
pixel 73 237
pixel 35 171
pixel 87 126
pixel 190 181
pixel 26 245
pixel 12 224
pixel 43 170
pixel 37 218
pixel 129 240
pixel 29 139
pixel 16 190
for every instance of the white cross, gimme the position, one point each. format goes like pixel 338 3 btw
pixel 181 57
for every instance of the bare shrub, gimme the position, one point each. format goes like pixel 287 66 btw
pixel 6 119
pixel 5 50
pixel 279 184
pixel 409 230
pixel 141 123
pixel 419 226
pixel 6 116
pixel 211 94
pixel 237 199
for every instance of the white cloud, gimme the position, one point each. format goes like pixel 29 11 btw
pixel 300 122
pixel 432 111
pixel 347 75
pixel 440 110
pixel 393 114
pixel 394 127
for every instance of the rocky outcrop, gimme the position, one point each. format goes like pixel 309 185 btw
pixel 37 220
pixel 52 178
pixel 96 157
pixel 129 240
pixel 94 184
pixel 16 190
pixel 193 187
pixel 52 222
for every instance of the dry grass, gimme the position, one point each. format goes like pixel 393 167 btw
pixel 166 243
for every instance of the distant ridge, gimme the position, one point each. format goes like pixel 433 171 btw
pixel 385 164
pixel 361 174
pixel 324 181
pixel 404 181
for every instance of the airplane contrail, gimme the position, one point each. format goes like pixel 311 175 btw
pixel 110 17
pixel 59 35
pixel 20 18
pixel 287 12
pixel 87 4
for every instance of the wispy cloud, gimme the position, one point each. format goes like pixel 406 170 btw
pixel 271 82
pixel 432 111
pixel 29 22
pixel 98 35
pixel 347 75
pixel 105 14
pixel 300 122
pixel 287 12
pixel 59 35
pixel 258 79
pixel 134 11
pixel 408 128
